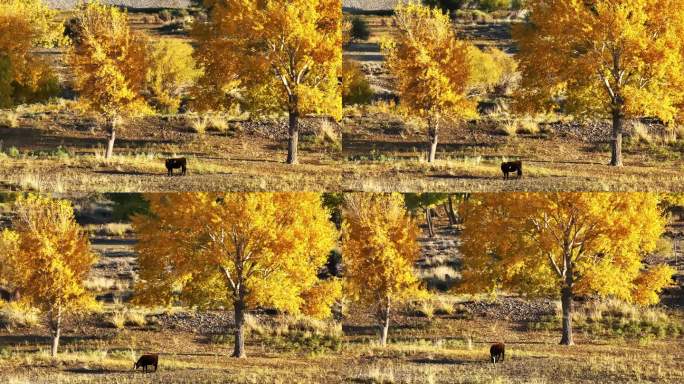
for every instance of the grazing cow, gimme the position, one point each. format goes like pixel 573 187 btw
pixel 510 167
pixel 180 162
pixel 147 360
pixel 497 352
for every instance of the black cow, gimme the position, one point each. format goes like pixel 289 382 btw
pixel 145 361
pixel 497 352
pixel 180 162
pixel 510 167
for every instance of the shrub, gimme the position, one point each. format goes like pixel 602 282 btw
pixel 494 5
pixel 640 133
pixel 17 314
pixel 9 119
pixel 199 124
pixel 527 125
pixel 507 128
pixel 135 318
pixel 117 320
pixel 359 29
pixel 355 86
pixel 217 123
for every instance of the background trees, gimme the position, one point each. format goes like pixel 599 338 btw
pixel 241 250
pixel 433 68
pixel 613 58
pixel 171 69
pixel 379 251
pixel 564 244
pixel 273 56
pixel 46 257
pixel 24 77
pixel 110 63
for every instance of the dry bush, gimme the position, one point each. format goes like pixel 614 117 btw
pixel 9 119
pixel 507 128
pixel 116 320
pixel 17 314
pixel 199 124
pixel 641 133
pixel 527 125
pixel 135 318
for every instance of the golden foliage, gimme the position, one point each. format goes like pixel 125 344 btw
pixel 603 55
pixel 46 255
pixel 109 61
pixel 24 25
pixel 272 55
pixel 379 248
pixel 434 69
pixel 221 249
pixel 171 69
pixel 534 242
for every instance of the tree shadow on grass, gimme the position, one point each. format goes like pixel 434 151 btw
pixel 97 371
pixel 128 173
pixel 446 361
pixel 11 340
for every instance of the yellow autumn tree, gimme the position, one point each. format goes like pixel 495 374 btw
pixel 434 69
pixel 606 58
pixel 110 65
pixel 47 257
pixel 379 250
pixel 238 250
pixel 563 244
pixel 24 76
pixel 272 55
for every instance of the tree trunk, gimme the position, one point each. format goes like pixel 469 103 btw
pixel 239 350
pixel 450 211
pixel 385 318
pixel 566 302
pixel 432 137
pixel 428 218
pixel 293 130
pixel 56 331
pixel 111 138
pixel 616 143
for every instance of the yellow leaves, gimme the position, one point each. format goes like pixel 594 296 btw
pixel 603 55
pixel 216 247
pixel 379 248
pixel 650 283
pixel 46 255
pixel 270 50
pixel 513 240
pixel 25 25
pixel 435 70
pixel 109 62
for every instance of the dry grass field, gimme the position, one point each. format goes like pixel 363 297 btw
pixel 49 148
pixel 447 348
pixel 442 339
